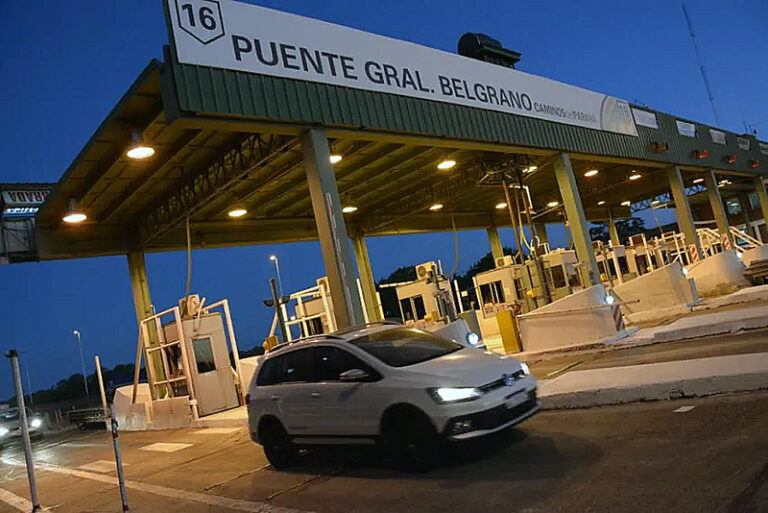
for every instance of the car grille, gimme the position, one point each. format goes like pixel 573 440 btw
pixel 499 383
pixel 495 417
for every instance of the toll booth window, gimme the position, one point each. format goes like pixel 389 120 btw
pixel 405 306
pixel 558 276
pixel 519 290
pixel 485 292
pixel 203 355
pixel 330 362
pixel 418 306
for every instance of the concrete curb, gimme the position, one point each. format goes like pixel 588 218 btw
pixel 699 387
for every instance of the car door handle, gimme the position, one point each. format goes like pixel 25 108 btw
pixel 315 395
pixel 275 397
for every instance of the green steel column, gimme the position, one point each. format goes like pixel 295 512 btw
pixel 683 209
pixel 331 229
pixel 762 196
pixel 744 202
pixel 541 231
pixel 497 251
pixel 574 212
pixel 716 202
pixel 367 283
pixel 612 231
pixel 142 303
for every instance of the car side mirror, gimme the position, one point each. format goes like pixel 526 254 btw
pixel 353 375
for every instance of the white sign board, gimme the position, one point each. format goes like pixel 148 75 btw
pixel 685 128
pixel 718 137
pixel 764 148
pixel 645 118
pixel 244 37
pixel 743 143
pixel 24 197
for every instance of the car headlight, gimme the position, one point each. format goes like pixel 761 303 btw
pixel 472 338
pixel 3 431
pixel 36 423
pixel 454 395
pixel 524 367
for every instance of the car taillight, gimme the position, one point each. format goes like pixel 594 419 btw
pixel 247 399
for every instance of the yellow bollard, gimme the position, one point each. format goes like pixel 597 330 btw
pixel 269 343
pixel 510 334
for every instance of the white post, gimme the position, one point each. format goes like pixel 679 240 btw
pixel 101 391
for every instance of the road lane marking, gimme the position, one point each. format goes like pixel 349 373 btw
pixel 102 466
pixel 217 431
pixel 211 500
pixel 684 409
pixel 165 447
pixel 14 501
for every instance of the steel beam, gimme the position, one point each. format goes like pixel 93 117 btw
pixel 367 283
pixel 497 250
pixel 331 228
pixel 762 196
pixel 683 208
pixel 718 209
pixel 574 212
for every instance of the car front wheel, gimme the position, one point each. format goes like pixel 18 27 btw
pixel 280 451
pixel 412 442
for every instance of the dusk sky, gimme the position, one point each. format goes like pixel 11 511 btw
pixel 65 64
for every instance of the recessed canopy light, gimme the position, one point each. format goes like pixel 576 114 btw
pixel 446 164
pixel 530 169
pixel 553 204
pixel 138 149
pixel 698 180
pixel 626 203
pixel 73 216
pixel 601 203
pixel 348 209
pixel 500 206
pixel 435 207
pixel 335 158
pixel 237 212
pixel 635 176
pixel 591 172
pixel 655 202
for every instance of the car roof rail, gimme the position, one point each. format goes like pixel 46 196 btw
pixel 310 338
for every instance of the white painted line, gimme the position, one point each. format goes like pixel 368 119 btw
pixel 211 500
pixel 217 431
pixel 102 466
pixel 14 501
pixel 684 409
pixel 165 447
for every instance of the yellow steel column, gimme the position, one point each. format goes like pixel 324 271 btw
pixel 497 251
pixel 683 209
pixel 331 229
pixel 541 231
pixel 762 196
pixel 612 231
pixel 577 221
pixel 718 210
pixel 367 283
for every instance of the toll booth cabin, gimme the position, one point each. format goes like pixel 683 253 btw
pixel 428 299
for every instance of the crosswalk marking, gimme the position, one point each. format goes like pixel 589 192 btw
pixel 165 447
pixel 102 466
pixel 684 409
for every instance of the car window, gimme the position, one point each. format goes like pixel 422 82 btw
pixel 330 362
pixel 292 367
pixel 400 347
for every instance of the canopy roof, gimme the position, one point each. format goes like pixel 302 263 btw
pixel 225 138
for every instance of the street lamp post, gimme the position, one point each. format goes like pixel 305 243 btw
pixel 25 362
pixel 279 278
pixel 82 361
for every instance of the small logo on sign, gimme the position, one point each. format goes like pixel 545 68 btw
pixel 509 379
pixel 200 19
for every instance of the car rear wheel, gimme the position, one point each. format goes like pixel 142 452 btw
pixel 280 451
pixel 412 442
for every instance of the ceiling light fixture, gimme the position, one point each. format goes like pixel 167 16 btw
pixel 601 203
pixel 435 207
pixel 445 165
pixel 349 209
pixel 591 172
pixel 698 180
pixel 73 216
pixel 626 203
pixel 501 206
pixel 138 150
pixel 335 158
pixel 530 169
pixel 553 204
pixel 237 211
pixel 635 176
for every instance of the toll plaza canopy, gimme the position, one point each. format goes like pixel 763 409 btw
pixel 226 110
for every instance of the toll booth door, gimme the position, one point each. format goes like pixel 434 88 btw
pixel 212 373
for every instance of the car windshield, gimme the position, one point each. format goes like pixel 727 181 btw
pixel 9 415
pixel 403 346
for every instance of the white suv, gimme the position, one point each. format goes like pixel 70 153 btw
pixel 401 387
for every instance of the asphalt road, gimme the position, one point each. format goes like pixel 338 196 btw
pixel 642 457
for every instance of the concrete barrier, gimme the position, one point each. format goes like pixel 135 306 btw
pixel 583 317
pixel 661 293
pixel 143 415
pixel 754 254
pixel 718 274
